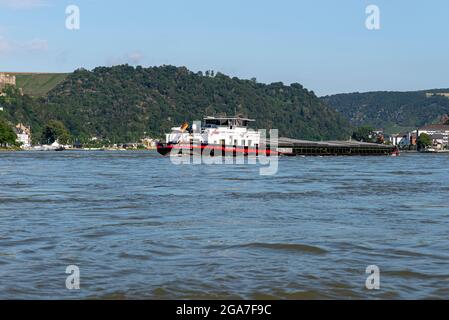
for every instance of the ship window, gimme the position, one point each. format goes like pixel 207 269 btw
pixel 236 142
pixel 249 143
pixel 243 142
pixel 212 123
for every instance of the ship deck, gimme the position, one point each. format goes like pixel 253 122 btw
pixel 306 147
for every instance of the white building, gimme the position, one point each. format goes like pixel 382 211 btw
pixel 397 139
pixel 404 139
pixel 23 135
pixel 149 143
pixel 439 133
pixel 24 139
pixel 7 79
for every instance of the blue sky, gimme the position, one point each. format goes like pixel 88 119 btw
pixel 322 44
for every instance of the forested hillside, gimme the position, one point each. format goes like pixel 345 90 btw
pixel 392 111
pixel 123 103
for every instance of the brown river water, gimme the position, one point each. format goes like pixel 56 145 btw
pixel 139 227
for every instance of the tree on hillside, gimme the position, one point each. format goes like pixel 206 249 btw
pixel 7 134
pixel 55 130
pixel 424 140
pixel 364 133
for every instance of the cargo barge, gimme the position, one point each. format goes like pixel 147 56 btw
pixel 295 147
pixel 232 136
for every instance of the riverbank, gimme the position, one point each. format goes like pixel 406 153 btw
pixel 40 149
pixel 9 149
pixel 425 152
pixel 436 151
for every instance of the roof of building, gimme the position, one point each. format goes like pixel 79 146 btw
pixel 439 127
pixel 437 136
pixel 401 135
pixel 22 129
pixel 228 118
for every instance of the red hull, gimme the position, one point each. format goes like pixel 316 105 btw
pixel 166 149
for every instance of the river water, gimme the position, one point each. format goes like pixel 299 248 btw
pixel 138 226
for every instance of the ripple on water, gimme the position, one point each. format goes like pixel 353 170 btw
pixel 410 274
pixel 277 195
pixel 292 247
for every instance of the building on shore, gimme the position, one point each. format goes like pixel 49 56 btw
pixel 23 135
pixel 439 133
pixel 396 139
pixel 435 94
pixel 404 139
pixel 7 79
pixel 149 143
pixel 439 141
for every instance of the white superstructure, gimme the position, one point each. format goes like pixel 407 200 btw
pixel 230 131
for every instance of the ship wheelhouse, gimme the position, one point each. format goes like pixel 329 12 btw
pixel 213 122
pixel 223 131
pixel 231 131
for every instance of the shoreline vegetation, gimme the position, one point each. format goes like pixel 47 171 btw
pixel 18 149
pixel 10 149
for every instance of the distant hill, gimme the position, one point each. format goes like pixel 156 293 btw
pixel 123 103
pixel 392 111
pixel 38 84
